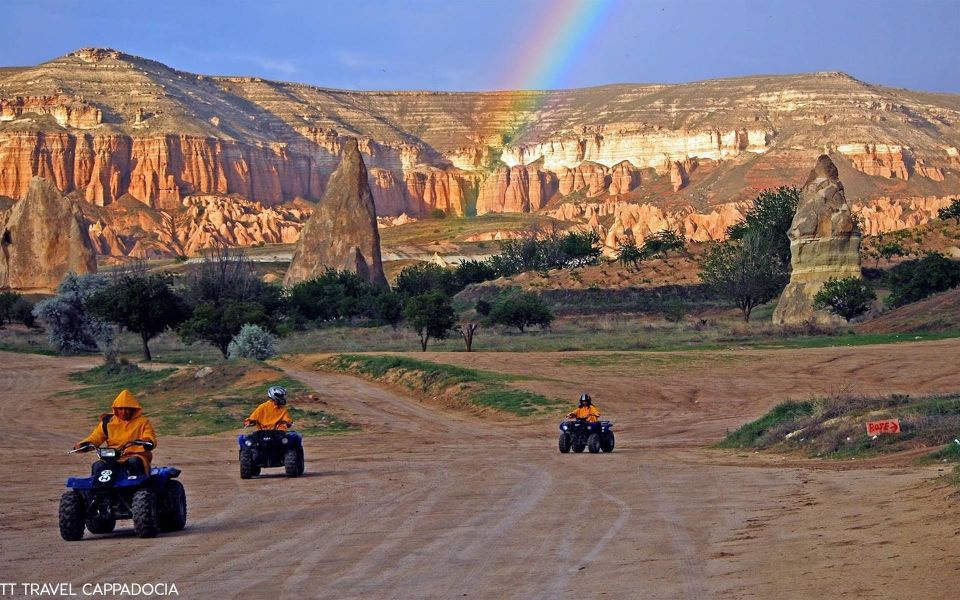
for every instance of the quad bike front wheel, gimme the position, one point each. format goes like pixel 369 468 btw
pixel 564 443
pixel 593 443
pixel 577 447
pixel 607 442
pixel 97 524
pixel 247 468
pixel 145 511
pixel 174 517
pixel 71 516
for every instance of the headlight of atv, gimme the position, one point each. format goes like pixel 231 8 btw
pixel 563 427
pixel 247 443
pixel 284 441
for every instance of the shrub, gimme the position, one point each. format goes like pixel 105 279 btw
pixel 7 301
pixel 388 308
pixel 916 279
pixel 849 297
pixel 423 278
pixel 71 328
pixel 674 310
pixel 22 312
pixel 438 213
pixel 252 342
pixel 332 295
pixel 474 271
pixel 521 310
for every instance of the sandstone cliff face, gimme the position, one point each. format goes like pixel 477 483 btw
pixel 824 243
pixel 342 232
pixel 134 127
pixel 43 239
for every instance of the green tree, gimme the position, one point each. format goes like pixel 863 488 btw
pixel 849 297
pixel 914 280
pixel 747 272
pixel 474 271
pixel 952 211
pixel 431 315
pixel 521 310
pixel 423 278
pixel 141 303
pixel 771 215
pixel 8 300
pixel 71 328
pixel 388 308
pixel 578 249
pixel 224 294
pixel 331 295
pixel 629 255
pixel 662 243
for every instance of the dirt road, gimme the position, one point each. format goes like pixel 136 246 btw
pixel 425 504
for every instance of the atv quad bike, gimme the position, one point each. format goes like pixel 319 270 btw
pixel 155 501
pixel 268 448
pixel 577 434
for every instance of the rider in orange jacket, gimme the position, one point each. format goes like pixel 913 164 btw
pixel 586 411
pixel 125 424
pixel 272 413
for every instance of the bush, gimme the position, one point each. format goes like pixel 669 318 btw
pixel 438 213
pixel 521 310
pixel 7 301
pixel 674 310
pixel 332 295
pixel 388 308
pixel 71 329
pixel 849 297
pixel 916 279
pixel 424 278
pixel 474 271
pixel 252 342
pixel 22 312
pixel 629 255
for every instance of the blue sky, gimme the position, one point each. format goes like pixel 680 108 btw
pixel 472 44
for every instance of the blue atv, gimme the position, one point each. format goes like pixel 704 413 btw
pixel 156 502
pixel 268 448
pixel 577 434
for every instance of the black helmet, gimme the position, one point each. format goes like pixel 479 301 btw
pixel 585 398
pixel 278 394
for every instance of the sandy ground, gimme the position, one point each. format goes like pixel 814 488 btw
pixel 427 504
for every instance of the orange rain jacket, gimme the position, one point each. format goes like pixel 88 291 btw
pixel 590 413
pixel 269 414
pixel 117 432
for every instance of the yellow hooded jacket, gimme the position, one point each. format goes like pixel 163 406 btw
pixel 269 414
pixel 590 413
pixel 119 432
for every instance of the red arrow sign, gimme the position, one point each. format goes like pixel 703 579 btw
pixel 887 426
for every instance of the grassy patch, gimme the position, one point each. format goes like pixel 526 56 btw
pixel 835 427
pixel 459 384
pixel 205 401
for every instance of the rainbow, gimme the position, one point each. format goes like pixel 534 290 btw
pixel 547 57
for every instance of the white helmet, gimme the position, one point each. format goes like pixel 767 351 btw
pixel 278 394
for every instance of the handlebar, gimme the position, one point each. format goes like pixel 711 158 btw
pixel 252 422
pixel 88 446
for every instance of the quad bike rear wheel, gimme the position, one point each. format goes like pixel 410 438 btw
pixel 97 524
pixel 174 517
pixel 71 516
pixel 292 463
pixel 145 511
pixel 607 442
pixel 593 443
pixel 564 443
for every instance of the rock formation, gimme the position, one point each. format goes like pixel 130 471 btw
pixel 824 243
pixel 342 233
pixel 44 237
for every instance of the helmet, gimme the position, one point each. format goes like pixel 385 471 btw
pixel 278 394
pixel 585 398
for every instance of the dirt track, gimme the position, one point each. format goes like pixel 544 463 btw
pixel 424 504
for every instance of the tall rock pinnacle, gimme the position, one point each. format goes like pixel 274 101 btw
pixel 342 232
pixel 824 243
pixel 43 238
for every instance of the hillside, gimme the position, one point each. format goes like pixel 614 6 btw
pixel 103 124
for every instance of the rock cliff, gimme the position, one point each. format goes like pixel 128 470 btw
pixel 43 238
pixel 824 244
pixel 132 127
pixel 342 232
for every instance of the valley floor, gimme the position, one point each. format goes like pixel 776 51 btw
pixel 427 503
